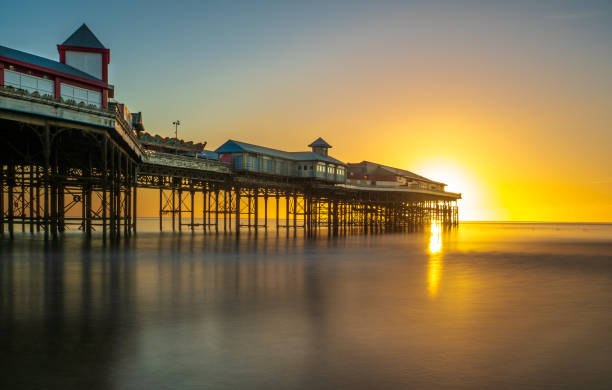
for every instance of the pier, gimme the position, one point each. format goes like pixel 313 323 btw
pixel 72 159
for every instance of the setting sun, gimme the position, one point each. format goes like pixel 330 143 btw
pixel 475 204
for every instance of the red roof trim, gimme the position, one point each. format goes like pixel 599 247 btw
pixel 55 72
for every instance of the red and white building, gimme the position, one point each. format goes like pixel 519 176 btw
pixel 79 77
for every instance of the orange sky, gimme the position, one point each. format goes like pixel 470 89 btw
pixel 509 108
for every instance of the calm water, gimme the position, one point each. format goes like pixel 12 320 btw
pixel 484 306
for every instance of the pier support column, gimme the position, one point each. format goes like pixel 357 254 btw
pixel 180 207
pixel 277 209
pixel 295 212
pixel 335 216
pixel 135 197
pixel 287 212
pixel 229 210
pixel 10 184
pixel 256 209
pixel 191 203
pixel 216 210
pixel 204 210
pixel 266 210
pixel 161 208
pixel 31 196
pixel 1 199
pixel 104 183
pixel 173 206
pixel 237 189
pixel 226 208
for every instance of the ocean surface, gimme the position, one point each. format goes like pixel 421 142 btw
pixel 481 306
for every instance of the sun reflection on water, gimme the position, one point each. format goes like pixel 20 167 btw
pixel 435 258
pixel 435 239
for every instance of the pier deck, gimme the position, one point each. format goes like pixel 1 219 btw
pixel 68 167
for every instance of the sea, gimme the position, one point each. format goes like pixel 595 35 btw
pixel 478 306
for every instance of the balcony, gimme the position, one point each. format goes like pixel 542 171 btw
pixel 20 100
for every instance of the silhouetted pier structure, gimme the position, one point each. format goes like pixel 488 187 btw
pixel 81 169
pixel 72 159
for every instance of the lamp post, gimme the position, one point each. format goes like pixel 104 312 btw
pixel 176 125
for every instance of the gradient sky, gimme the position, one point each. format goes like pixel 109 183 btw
pixel 508 102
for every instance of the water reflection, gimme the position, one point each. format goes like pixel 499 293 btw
pixel 423 310
pixel 434 265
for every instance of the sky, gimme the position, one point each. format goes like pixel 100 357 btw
pixel 508 103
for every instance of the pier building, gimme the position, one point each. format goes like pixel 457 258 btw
pixel 71 158
pixel 314 164
pixel 79 77
pixel 371 174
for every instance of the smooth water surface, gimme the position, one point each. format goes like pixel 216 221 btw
pixel 506 306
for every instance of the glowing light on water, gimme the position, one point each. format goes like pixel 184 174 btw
pixel 434 266
pixel 435 239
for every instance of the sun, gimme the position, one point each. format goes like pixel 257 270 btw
pixel 458 179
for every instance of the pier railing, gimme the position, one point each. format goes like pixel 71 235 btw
pixel 127 133
pixel 22 101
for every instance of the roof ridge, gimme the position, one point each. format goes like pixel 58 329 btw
pixel 83 37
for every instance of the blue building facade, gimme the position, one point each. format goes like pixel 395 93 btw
pixel 315 164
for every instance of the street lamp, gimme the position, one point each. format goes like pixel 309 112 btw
pixel 176 125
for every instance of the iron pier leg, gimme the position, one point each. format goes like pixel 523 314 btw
pixel 61 200
pixel 237 211
pixel 249 200
pixel 31 195
pixel 229 210
pixel 256 209
pixel 173 207
pixel 209 210
pixel 104 184
pixel 295 211
pixel 88 186
pixel 335 216
pixel 161 209
pixel 191 194
pixel 216 211
pixel 225 210
pixel 135 205
pixel 266 210
pixel 204 210
pixel 180 208
pixel 111 196
pixel 277 209
pixel 11 201
pixel 1 199
pixel 287 212
pixel 23 199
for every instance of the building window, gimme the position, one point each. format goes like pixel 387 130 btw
pixel 237 160
pixel 79 95
pixel 28 82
